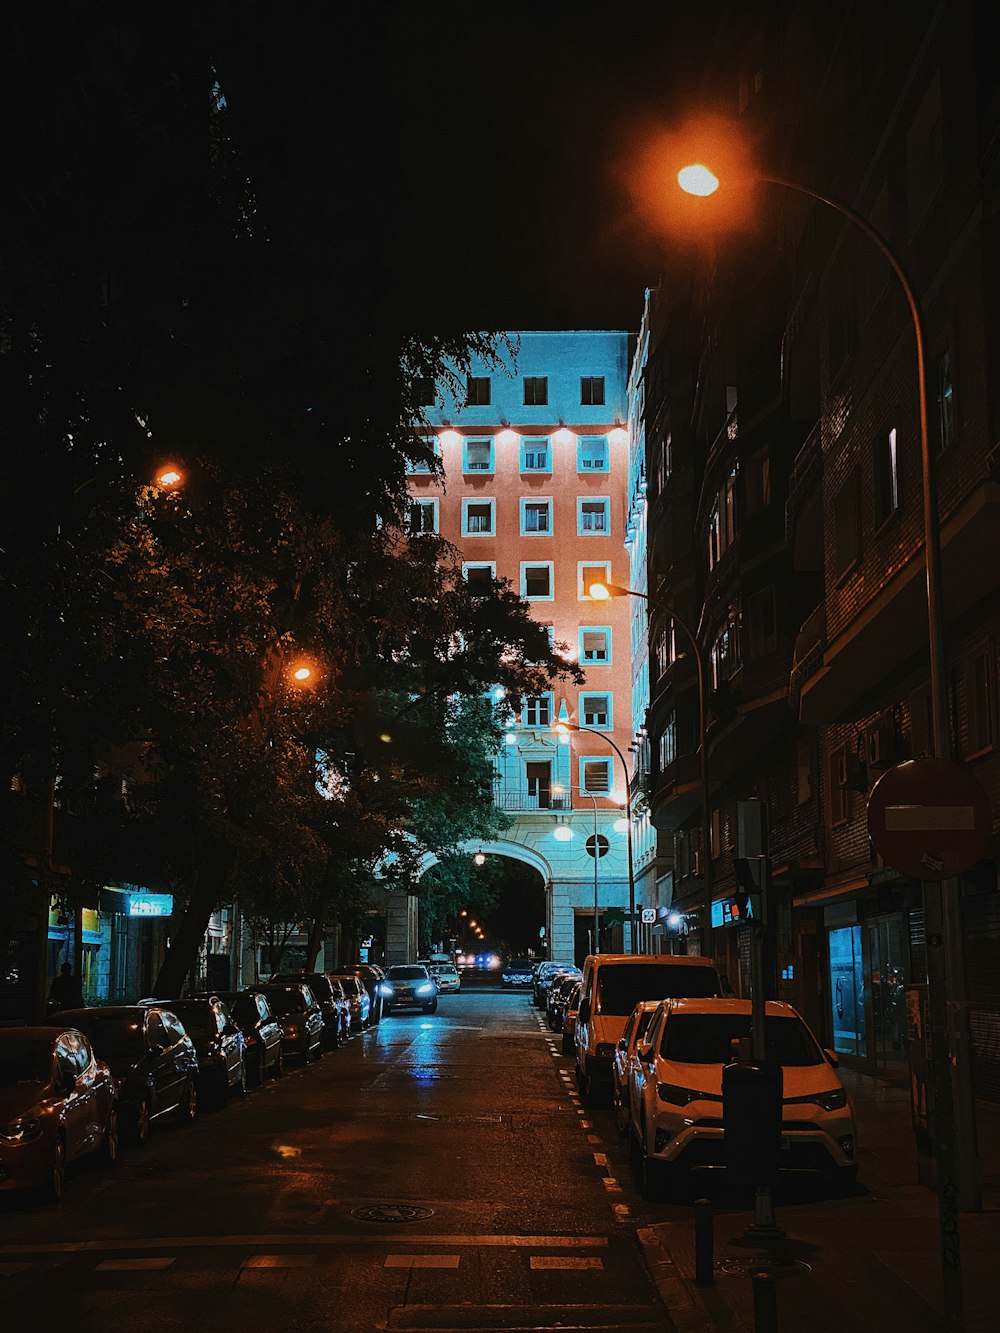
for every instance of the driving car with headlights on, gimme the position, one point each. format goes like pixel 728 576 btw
pixel 446 976
pixel 409 986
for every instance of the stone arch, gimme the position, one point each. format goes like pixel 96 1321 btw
pixel 516 851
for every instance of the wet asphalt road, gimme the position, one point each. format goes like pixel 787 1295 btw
pixel 520 1208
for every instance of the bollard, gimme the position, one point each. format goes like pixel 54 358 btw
pixel 765 1304
pixel 704 1263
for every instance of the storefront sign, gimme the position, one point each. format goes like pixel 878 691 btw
pixel 150 904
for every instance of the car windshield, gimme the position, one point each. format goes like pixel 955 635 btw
pixel 520 965
pixel 288 1002
pixel 198 1019
pixel 408 973
pixel 620 987
pixel 707 1039
pixel 114 1038
pixel 444 970
pixel 24 1062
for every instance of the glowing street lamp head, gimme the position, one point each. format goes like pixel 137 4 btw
pixel 480 858
pixel 697 179
pixel 563 728
pixel 600 592
pixel 169 477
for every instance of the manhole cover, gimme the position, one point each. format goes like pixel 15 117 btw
pixel 740 1267
pixel 391 1212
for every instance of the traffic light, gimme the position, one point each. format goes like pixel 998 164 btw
pixel 749 904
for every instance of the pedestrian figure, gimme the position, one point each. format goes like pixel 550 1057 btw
pixel 66 991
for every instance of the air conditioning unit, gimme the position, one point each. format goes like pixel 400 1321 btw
pixel 880 743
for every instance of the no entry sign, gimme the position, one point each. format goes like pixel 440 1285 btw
pixel 929 819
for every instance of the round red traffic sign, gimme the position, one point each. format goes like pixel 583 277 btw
pixel 929 818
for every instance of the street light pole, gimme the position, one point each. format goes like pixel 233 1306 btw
pixel 598 591
pixel 572 726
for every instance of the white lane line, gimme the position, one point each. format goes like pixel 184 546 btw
pixel 611 1185
pixel 361 1238
pixel 279 1261
pixel 622 1212
pixel 564 1261
pixel 421 1261
pixel 585 1124
pixel 593 1138
pixel 133 1265
pixel 601 1158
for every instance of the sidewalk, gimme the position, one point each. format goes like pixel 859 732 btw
pixel 870 1263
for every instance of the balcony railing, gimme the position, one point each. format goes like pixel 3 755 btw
pixel 520 799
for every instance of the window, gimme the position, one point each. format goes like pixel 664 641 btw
pixel 592 390
pixel 480 577
pixel 668 741
pixel 595 644
pixel 664 464
pixel 536 582
pixel 847 525
pixel 478 456
pixel 757 483
pixel 762 631
pixel 477 518
pixel 945 402
pixel 422 465
pixel 595 711
pixel 980 674
pixel 535 455
pixel 423 517
pixel 536 517
pixel 536 390
pixel 588 573
pixel 592 454
pixel 726 658
pixel 477 391
pixel 537 710
pixel 838 786
pixel 423 391
pixel 886 477
pixel 595 776
pixel 593 515
pixel 714 541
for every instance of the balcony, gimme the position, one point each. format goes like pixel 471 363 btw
pixel 520 800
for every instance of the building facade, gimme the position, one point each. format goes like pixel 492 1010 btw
pixel 535 489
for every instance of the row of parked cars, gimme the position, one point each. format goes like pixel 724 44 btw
pixel 91 1078
pixel 652 1035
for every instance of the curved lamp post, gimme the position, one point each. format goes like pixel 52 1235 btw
pixel 601 592
pixel 563 728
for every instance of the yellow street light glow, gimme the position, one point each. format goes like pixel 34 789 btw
pixel 697 179
pixel 600 592
pixel 169 477
pixel 301 673
pixel 479 858
pixel 472 925
pixel 385 738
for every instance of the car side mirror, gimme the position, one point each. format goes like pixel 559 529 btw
pixel 583 1013
pixel 645 1054
pixel 832 1056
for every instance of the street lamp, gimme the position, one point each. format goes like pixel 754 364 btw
pixel 564 728
pixel 602 592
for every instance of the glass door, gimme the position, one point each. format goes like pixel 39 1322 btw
pixel 887 975
pixel 847 992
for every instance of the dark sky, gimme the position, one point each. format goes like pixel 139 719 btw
pixel 483 143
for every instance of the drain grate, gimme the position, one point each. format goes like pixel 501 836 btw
pixel 391 1212
pixel 740 1267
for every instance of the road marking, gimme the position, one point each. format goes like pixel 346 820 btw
pixel 601 1158
pixel 279 1261
pixel 585 1124
pixel 134 1265
pixel 611 1185
pixel 593 1138
pixel 358 1238
pixel 421 1261
pixel 564 1261
pixel 621 1211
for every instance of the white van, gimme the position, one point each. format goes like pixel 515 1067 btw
pixel 613 984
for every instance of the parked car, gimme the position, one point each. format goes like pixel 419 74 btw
pixel 152 1058
pixel 446 976
pixel 570 1012
pixel 220 1044
pixel 559 988
pixel 297 1010
pixel 409 986
pixel 58 1102
pixel 540 985
pixel 361 1006
pixel 517 972
pixel 675 1091
pixel 635 1031
pixel 613 983
pixel 262 1034
pixel 330 999
pixel 371 976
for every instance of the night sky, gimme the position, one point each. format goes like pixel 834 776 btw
pixel 487 145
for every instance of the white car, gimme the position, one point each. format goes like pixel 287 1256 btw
pixel 635 1030
pixel 675 1091
pixel 446 976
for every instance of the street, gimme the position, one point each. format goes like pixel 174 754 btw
pixel 522 1204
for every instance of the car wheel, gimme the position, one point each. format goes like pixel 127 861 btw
pixel 138 1130
pixel 318 1054
pixel 621 1120
pixel 257 1072
pixel 431 1008
pixel 278 1069
pixel 109 1144
pixel 567 1045
pixel 584 1085
pixel 188 1108
pixel 57 1172
pixel 241 1082
pixel 387 1010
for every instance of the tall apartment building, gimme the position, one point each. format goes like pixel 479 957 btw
pixel 785 487
pixel 536 490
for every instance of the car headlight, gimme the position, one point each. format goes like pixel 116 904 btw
pixel 670 1092
pixel 604 1050
pixel 387 988
pixel 21 1130
pixel 834 1100
pixel 426 989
